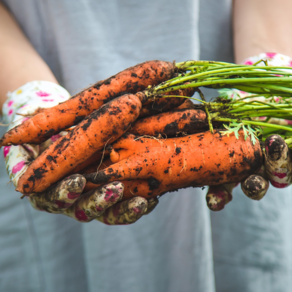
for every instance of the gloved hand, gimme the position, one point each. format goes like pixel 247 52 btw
pixel 65 197
pixel 277 163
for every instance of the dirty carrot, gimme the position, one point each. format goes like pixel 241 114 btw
pixel 132 188
pixel 172 123
pixel 160 104
pixel 96 157
pixel 194 160
pixel 101 127
pixel 52 120
pixel 266 80
pixel 187 104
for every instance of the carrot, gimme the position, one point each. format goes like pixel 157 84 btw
pixel 187 104
pixel 51 121
pixel 102 126
pixel 132 188
pixel 194 160
pixel 160 105
pixel 171 123
pixel 96 157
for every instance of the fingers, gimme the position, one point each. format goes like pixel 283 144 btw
pixel 60 196
pixel 218 196
pixel 17 159
pixel 152 203
pixel 255 187
pixel 277 161
pixel 93 203
pixel 126 212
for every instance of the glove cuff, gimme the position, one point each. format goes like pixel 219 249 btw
pixel 31 96
pixel 273 59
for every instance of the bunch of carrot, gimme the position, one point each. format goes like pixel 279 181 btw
pixel 139 127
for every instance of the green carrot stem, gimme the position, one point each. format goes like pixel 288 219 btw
pixel 262 112
pixel 233 82
pixel 289 142
pixel 207 111
pixel 181 65
pixel 260 90
pixel 187 97
pixel 267 113
pixel 255 123
pixel 241 71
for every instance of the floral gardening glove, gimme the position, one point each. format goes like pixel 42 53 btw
pixel 65 197
pixel 277 164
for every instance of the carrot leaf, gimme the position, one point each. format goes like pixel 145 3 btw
pixel 234 128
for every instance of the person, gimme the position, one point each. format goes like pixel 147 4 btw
pixel 178 247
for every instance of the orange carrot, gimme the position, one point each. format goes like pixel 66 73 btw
pixel 92 134
pixel 96 157
pixel 187 104
pixel 51 121
pixel 132 188
pixel 188 121
pixel 194 160
pixel 160 105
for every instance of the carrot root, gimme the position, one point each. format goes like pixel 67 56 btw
pixel 194 160
pixel 104 125
pixel 50 121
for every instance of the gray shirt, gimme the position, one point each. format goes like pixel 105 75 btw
pixel 179 246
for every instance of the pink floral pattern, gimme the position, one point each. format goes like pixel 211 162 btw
pixel 42 93
pixel 25 100
pixel 31 96
pixel 6 150
pixel 80 215
pixel 274 59
pixel 18 167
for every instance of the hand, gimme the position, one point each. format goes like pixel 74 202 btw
pixel 277 157
pixel 65 197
